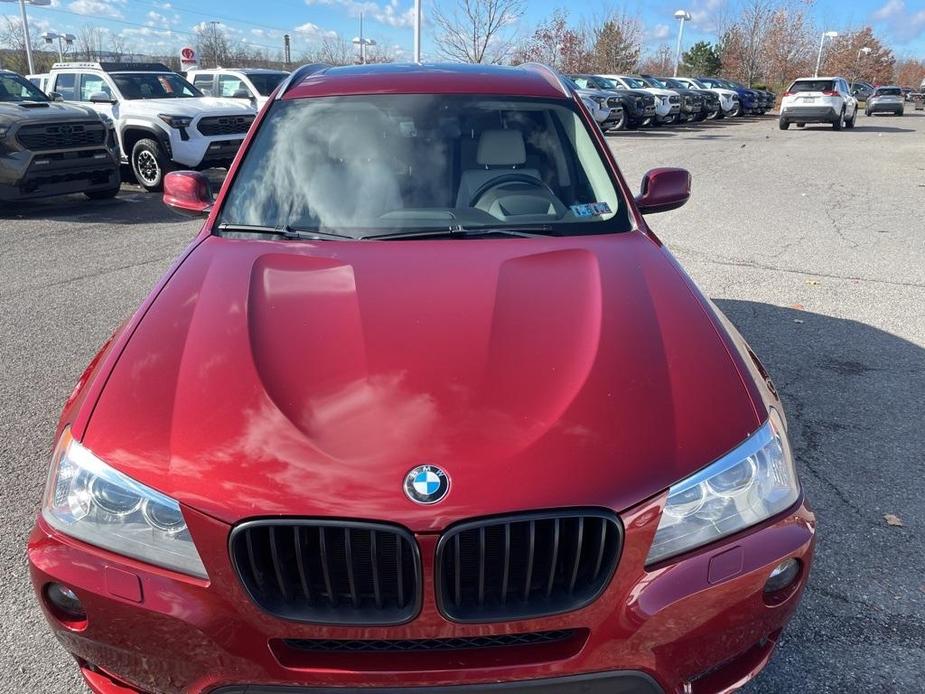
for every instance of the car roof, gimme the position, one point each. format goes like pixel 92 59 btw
pixel 245 70
pixel 437 78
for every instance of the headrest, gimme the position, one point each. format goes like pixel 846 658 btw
pixel 501 148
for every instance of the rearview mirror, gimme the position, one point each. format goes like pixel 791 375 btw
pixel 100 98
pixel 188 192
pixel 663 190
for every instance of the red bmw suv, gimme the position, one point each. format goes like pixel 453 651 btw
pixel 425 405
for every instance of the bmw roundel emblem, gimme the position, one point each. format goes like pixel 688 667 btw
pixel 426 484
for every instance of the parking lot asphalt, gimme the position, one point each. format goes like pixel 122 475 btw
pixel 809 239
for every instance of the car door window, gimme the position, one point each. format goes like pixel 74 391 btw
pixel 204 83
pixel 66 86
pixel 229 85
pixel 91 84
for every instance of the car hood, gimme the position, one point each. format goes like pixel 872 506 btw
pixel 192 106
pixel 307 378
pixel 727 93
pixel 38 112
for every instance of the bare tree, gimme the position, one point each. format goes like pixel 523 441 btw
pixel 117 47
pixel 11 36
pixel 555 43
pixel 214 47
pixel 476 31
pixel 89 43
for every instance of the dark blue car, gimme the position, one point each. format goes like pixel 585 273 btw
pixel 749 98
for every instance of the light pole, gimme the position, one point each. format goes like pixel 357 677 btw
pixel 25 26
pixel 362 42
pixel 857 66
pixel 683 16
pixel 69 39
pixel 826 34
pixel 417 31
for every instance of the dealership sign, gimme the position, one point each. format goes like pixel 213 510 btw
pixel 187 58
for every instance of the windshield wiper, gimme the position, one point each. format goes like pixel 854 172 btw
pixel 464 232
pixel 287 232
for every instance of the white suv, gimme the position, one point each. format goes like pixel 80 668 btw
pixel 254 84
pixel 819 100
pixel 162 121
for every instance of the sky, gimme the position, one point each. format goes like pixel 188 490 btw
pixel 163 26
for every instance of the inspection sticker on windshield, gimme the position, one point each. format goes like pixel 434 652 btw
pixel 591 209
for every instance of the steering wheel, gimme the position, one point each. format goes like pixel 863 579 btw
pixel 509 178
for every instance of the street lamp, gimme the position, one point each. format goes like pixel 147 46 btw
pixel 25 26
pixel 827 34
pixel 417 31
pixel 682 16
pixel 69 39
pixel 362 42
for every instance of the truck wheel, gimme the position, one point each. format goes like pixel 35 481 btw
pixel 783 123
pixel 736 110
pixel 149 164
pixel 102 194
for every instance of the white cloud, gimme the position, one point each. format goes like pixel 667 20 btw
pixel 389 13
pixel 97 8
pixel 902 23
pixel 705 14
pixel 313 31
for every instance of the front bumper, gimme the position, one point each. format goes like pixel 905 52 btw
pixel 701 621
pixel 201 152
pixel 25 175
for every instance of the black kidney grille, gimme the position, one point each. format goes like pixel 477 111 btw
pixel 329 572
pixel 224 125
pixel 61 135
pixel 526 566
pixel 424 645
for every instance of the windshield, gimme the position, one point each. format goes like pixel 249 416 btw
pixel 15 88
pixel 153 85
pixel 266 82
pixel 367 165
pixel 889 91
pixel 654 82
pixel 635 83
pixel 811 86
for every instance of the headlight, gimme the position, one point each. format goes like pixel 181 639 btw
pixel 755 481
pixel 4 129
pixel 91 501
pixel 175 121
pixel 599 100
pixel 107 121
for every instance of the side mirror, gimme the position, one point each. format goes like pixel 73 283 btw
pixel 188 193
pixel 241 94
pixel 56 96
pixel 101 98
pixel 663 190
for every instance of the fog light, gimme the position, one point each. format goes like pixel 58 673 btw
pixel 783 575
pixel 65 602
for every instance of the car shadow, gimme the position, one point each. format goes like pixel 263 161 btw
pixel 881 129
pixel 851 394
pixel 133 205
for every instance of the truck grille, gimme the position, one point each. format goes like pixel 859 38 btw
pixel 526 566
pixel 49 136
pixel 224 125
pixel 674 99
pixel 329 572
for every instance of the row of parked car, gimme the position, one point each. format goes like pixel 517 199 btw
pixel 626 102
pixel 73 129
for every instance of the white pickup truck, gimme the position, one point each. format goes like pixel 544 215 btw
pixel 162 121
